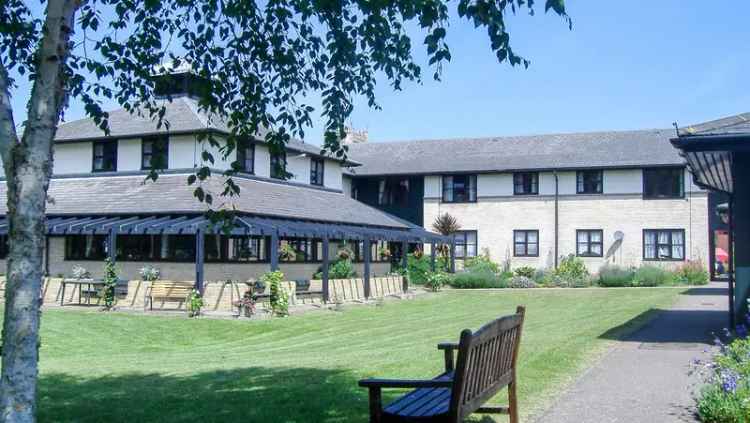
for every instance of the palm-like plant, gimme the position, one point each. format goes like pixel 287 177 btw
pixel 445 224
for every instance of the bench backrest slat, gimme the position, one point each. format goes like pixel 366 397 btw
pixel 486 363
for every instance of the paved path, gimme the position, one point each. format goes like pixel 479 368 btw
pixel 644 378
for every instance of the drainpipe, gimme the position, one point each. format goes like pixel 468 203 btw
pixel 730 247
pixel 557 216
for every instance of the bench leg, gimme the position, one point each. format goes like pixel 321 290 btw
pixel 376 406
pixel 513 402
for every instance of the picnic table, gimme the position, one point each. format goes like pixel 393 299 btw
pixel 92 286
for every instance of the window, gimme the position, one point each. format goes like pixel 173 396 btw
pixel 589 182
pixel 305 250
pixel 466 244
pixel 85 247
pixel 526 183
pixel 155 153
pixel 317 169
pixel 105 156
pixel 589 243
pixel 278 165
pixel 663 183
pixel 246 156
pixel 459 188
pixel 664 244
pixel 526 243
pixel 393 191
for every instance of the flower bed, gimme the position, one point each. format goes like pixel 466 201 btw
pixel 726 396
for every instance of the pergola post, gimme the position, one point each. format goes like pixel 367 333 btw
pixel 274 251
pixel 367 253
pixel 432 255
pixel 199 257
pixel 453 254
pixel 326 292
pixel 405 263
pixel 111 244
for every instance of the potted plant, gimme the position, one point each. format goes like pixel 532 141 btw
pixel 287 253
pixel 194 303
pixel 246 304
pixel 80 272
pixel 384 253
pixel 149 273
pixel 345 253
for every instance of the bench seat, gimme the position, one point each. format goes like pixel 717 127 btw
pixel 423 404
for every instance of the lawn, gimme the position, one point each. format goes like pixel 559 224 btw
pixel 121 367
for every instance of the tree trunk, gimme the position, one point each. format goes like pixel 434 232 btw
pixel 28 167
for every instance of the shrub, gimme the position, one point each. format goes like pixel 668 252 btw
pixel 418 268
pixel 110 282
pixel 653 276
pixel 521 282
pixel 481 263
pixel 473 280
pixel 526 271
pixel 436 280
pixel 572 268
pixel 339 269
pixel 615 276
pixel 279 298
pixel 540 275
pixel 692 272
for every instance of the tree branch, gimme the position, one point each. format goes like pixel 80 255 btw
pixel 8 136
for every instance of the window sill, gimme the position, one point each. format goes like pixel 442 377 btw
pixel 458 202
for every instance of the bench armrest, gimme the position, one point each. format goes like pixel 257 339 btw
pixel 404 383
pixel 447 346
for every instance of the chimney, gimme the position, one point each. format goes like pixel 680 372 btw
pixel 354 136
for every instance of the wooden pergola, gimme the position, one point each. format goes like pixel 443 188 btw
pixel 243 225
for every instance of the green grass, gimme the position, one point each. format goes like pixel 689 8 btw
pixel 121 367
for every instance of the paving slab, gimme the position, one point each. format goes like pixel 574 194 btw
pixel 646 376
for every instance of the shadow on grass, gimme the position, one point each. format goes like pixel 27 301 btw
pixel 255 394
pixel 658 326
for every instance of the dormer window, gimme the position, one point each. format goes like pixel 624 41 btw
pixel 317 169
pixel 105 156
pixel 246 156
pixel 155 153
pixel 278 165
pixel 526 183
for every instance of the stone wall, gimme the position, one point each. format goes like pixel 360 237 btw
pixel 495 218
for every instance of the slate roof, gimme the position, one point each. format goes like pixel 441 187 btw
pixel 732 125
pixel 610 149
pixel 183 115
pixel 170 194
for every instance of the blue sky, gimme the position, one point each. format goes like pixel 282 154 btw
pixel 625 65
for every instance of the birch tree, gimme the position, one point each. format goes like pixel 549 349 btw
pixel 262 62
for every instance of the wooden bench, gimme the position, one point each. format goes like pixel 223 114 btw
pixel 169 290
pixel 486 364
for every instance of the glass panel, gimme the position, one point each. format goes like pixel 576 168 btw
pixel 649 252
pixel 532 236
pixel 663 237
pixel 678 237
pixel 520 249
pixel 650 237
pixel 520 236
pixel 596 249
pixel 596 236
pixel 678 252
pixel 582 249
pixel 665 251
pixel 583 236
pixel 471 250
pixel 533 249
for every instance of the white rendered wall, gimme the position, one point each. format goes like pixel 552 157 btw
pixel 72 158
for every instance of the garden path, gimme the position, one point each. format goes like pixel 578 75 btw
pixel 646 376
